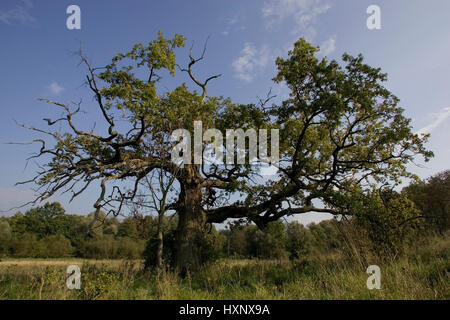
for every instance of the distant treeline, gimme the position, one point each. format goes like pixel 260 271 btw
pixel 419 209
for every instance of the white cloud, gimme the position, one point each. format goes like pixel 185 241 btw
pixel 439 118
pixel 328 46
pixel 55 88
pixel 303 12
pixel 251 61
pixel 18 15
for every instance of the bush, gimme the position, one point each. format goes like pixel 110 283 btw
pixel 129 248
pixel 25 246
pixel 102 248
pixel 299 240
pixel 267 244
pixel 214 244
pixel 5 237
pixel 55 246
pixel 431 197
pixel 108 247
pixel 389 219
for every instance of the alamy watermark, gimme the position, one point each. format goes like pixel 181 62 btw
pixel 209 146
pixel 374 20
pixel 73 21
pixel 374 280
pixel 74 279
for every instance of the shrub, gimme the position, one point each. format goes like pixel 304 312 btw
pixel 5 237
pixel 299 240
pixel 55 246
pixel 129 248
pixel 25 246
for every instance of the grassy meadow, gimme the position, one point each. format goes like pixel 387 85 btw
pixel 423 272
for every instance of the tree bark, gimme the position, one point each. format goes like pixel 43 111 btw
pixel 189 242
pixel 159 252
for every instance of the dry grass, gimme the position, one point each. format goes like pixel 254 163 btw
pixel 422 273
pixel 59 262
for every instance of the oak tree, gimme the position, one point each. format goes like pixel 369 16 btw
pixel 341 132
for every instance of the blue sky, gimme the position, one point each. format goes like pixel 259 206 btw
pixel 37 59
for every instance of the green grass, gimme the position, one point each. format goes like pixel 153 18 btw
pixel 422 273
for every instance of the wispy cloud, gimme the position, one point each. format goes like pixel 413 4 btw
pixel 55 88
pixel 233 23
pixel 251 61
pixel 234 19
pixel 328 46
pixel 303 12
pixel 438 119
pixel 20 14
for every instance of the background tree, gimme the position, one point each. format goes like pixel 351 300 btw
pixel 45 220
pixel 5 237
pixel 156 197
pixel 236 244
pixel 432 198
pixel 56 246
pixel 128 228
pixel 388 218
pixel 341 133
pixel 299 240
pixel 269 243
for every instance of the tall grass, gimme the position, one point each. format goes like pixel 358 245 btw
pixel 423 272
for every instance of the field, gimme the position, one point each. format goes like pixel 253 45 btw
pixel 423 274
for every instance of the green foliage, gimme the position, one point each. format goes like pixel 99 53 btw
pixel 111 229
pixel 342 133
pixel 55 246
pixel 431 197
pixel 43 221
pixel 388 217
pixel 98 282
pixel 422 273
pixel 168 231
pixel 25 246
pixel 214 244
pixel 212 247
pixel 128 228
pixel 94 225
pixel 125 90
pixel 383 223
pixel 47 232
pixel 129 248
pixel 326 235
pixel 5 237
pixel 267 244
pixel 151 248
pixel 299 240
pixel 109 247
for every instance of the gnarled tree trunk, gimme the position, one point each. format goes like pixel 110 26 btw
pixel 189 242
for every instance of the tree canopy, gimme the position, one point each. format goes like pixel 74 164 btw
pixel 342 133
